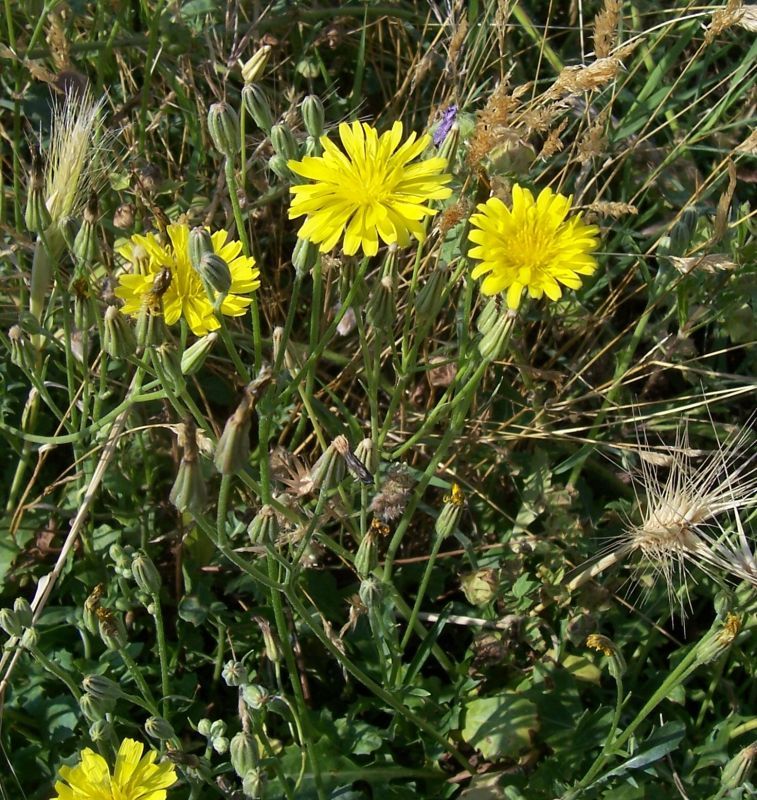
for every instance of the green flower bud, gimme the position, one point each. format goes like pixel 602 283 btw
pixel 37 216
pixel 167 356
pixel 119 340
pixel 258 107
pixel 283 141
pixel 85 243
pixel 215 271
pixel 223 125
pixel 264 528
pixel 244 753
pixel 313 115
pixel 159 728
pixel 737 771
pixel 95 708
pixel 253 783
pixel 494 341
pixel 146 575
pixel 193 358
pixel 203 727
pixel 22 351
pixel 480 587
pixel 234 673
pixel 220 744
pixel 101 688
pixel 328 470
pixel 255 696
pixel 29 638
pixel 278 165
pixel 101 731
pixel 23 611
pixel 366 558
pixel 189 492
pixel 448 149
pixel 490 313
pixel 217 728
pixel 429 300
pixel 304 256
pixel 367 454
pixel 10 623
pixel 200 244
pixel 272 649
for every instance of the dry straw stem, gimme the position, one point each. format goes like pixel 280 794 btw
pixel 681 515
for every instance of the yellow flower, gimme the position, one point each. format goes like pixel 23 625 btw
pixel 134 777
pixel 369 191
pixel 186 295
pixel 531 246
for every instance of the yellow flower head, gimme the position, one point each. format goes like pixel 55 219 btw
pixel 186 295
pixel 134 777
pixel 531 246
pixel 370 190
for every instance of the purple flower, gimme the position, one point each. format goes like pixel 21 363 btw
pixel 448 119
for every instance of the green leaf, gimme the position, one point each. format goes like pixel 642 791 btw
pixel 501 726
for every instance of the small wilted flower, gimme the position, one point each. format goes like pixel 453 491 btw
pixel 112 629
pixel 253 68
pixel 718 639
pixel 450 514
pixel 608 648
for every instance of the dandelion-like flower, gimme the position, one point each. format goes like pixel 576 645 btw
pixel 186 295
pixel 531 246
pixel 370 191
pixel 134 777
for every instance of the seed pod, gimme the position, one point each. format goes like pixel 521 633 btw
pixel 257 105
pixel 233 447
pixel 85 242
pixel 313 115
pixel 328 470
pixel 37 216
pixel 264 528
pixel 188 492
pixel 366 558
pixel 22 352
pixel 223 125
pixel 204 726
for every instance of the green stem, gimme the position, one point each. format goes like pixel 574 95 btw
pixel 160 630
pixel 421 591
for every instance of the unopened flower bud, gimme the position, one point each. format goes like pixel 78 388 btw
pixel 278 165
pixel 272 649
pixel 119 340
pixel 223 125
pixel 244 753
pixel 85 243
pixel 159 728
pixel 367 454
pixel 304 256
pixel 193 358
pixel 429 300
pixel 370 592
pixel 253 783
pixel 313 115
pixel 480 587
pixel 264 528
pixel 101 730
pixel 233 448
pixel 257 105
pixel 253 68
pixel 216 272
pixel 37 216
pixel 497 336
pixel 255 696
pixel 146 575
pixel 490 313
pixel 737 771
pixel 283 141
pixel 200 244
pixel 23 611
pixel 448 149
pixel 234 673
pixel 217 728
pixel 10 623
pixel 68 227
pixel 220 744
pixel 102 688
pixel 22 351
pixel 203 727
pixel 95 708
pixel 366 558
pixel 29 638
